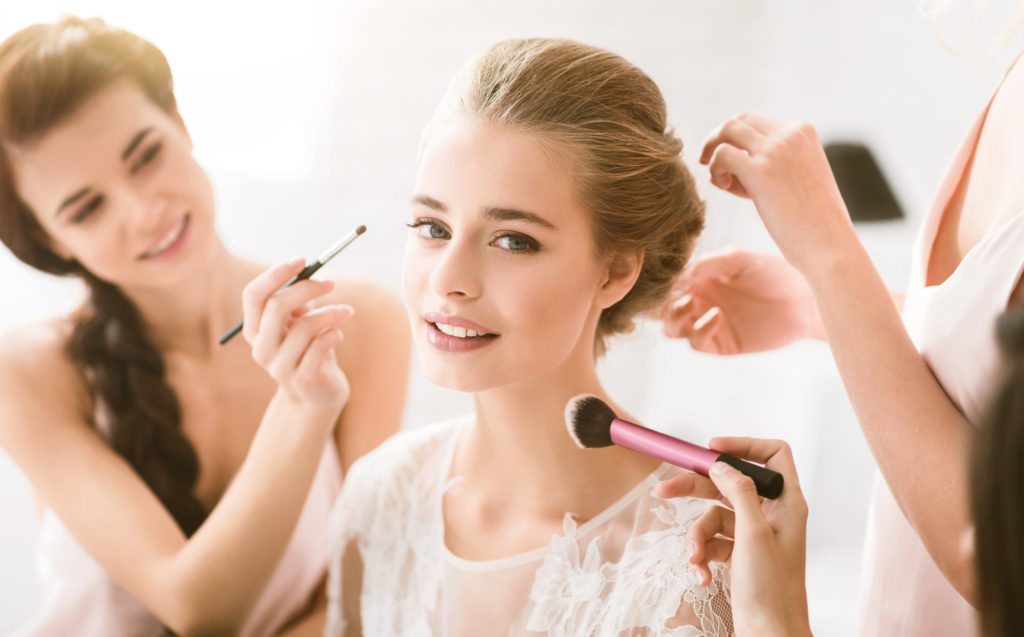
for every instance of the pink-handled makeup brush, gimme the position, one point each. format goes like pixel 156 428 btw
pixel 593 424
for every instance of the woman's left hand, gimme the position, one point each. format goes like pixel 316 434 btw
pixel 782 167
pixel 763 541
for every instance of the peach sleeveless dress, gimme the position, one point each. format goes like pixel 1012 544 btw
pixel 903 593
pixel 80 599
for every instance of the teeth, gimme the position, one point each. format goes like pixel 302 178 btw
pixel 168 240
pixel 457 332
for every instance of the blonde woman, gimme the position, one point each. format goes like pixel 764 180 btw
pixel 551 207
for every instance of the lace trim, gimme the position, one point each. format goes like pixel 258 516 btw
pixel 576 595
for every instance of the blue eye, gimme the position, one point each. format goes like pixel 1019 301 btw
pixel 517 243
pixel 429 229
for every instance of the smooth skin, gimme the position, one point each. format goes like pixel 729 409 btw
pixel 257 416
pixel 911 426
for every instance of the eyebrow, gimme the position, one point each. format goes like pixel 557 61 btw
pixel 135 142
pixel 132 145
pixel 497 213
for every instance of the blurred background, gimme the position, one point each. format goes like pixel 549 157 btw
pixel 307 113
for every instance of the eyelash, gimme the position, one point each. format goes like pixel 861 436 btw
pixel 148 155
pixel 88 209
pixel 531 244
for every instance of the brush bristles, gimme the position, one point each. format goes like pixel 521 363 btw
pixel 589 421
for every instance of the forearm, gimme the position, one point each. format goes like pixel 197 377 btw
pixel 917 435
pixel 220 572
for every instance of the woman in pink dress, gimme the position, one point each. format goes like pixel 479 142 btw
pixel 917 378
pixel 181 485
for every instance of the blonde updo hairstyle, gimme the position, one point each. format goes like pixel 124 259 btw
pixel 609 118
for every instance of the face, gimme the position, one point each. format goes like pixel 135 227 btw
pixel 116 188
pixel 501 279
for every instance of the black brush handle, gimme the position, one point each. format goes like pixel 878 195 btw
pixel 307 272
pixel 768 482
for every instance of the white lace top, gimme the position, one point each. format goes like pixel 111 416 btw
pixel 623 572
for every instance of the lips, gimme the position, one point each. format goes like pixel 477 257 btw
pixel 456 334
pixel 168 241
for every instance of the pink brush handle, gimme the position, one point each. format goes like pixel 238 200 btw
pixel 658 445
pixel 690 456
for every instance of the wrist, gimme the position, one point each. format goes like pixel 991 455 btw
pixel 310 413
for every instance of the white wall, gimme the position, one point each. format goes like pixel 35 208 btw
pixel 307 113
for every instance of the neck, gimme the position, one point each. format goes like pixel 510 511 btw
pixel 520 438
pixel 188 318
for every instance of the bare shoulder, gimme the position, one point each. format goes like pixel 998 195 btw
pixel 37 377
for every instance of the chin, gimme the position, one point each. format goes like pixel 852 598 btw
pixel 458 380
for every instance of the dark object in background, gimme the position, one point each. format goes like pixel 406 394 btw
pixel 861 183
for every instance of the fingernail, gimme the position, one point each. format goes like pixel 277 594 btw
pixel 706 318
pixel 720 468
pixel 295 261
pixel 691 547
pixel 683 301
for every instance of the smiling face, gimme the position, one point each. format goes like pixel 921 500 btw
pixel 116 188
pixel 501 279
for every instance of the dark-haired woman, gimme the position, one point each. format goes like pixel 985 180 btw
pixel 181 485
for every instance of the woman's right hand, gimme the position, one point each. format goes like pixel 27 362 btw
pixel 738 302
pixel 291 340
pixel 763 541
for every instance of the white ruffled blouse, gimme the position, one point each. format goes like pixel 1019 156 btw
pixel 623 572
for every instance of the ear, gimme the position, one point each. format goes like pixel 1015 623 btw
pixel 622 271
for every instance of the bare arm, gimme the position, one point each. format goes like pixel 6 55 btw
pixel 916 434
pixel 375 357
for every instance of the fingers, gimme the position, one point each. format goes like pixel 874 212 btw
pixel 774 454
pixel 688 485
pixel 728 166
pixel 715 550
pixel 712 522
pixel 703 333
pixel 735 131
pixel 257 291
pixel 310 328
pixel 278 316
pixel 741 493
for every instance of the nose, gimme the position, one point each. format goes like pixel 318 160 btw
pixel 457 271
pixel 144 212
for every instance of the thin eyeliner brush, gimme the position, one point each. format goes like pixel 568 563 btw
pixel 307 272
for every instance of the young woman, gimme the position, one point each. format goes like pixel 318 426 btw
pixel 551 207
pixel 180 484
pixel 918 377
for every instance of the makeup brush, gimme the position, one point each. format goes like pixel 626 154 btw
pixel 593 424
pixel 307 272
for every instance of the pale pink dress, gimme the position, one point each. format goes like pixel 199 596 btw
pixel 80 599
pixel 903 593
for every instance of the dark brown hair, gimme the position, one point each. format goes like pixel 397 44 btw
pixel 610 118
pixel 997 492
pixel 46 72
